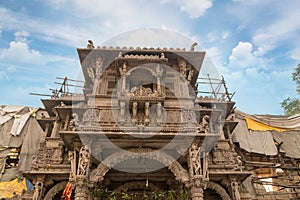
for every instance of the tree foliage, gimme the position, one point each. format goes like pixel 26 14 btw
pixel 291 106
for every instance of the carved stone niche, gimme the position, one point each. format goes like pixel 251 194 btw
pixel 222 154
pixel 90 118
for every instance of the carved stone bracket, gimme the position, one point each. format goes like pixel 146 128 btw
pixel 83 167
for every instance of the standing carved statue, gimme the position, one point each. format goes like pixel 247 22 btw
pixel 235 190
pixel 38 188
pixel 123 69
pixel 72 159
pixel 84 162
pixel 182 66
pixel 196 168
pixel 204 125
pixel 74 122
pixel 99 67
pixel 190 76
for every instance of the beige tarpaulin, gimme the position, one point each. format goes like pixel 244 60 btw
pixel 19 123
pixel 2 166
pixel 31 141
pixel 10 174
pixel 254 141
pixel 7 112
pixel 291 143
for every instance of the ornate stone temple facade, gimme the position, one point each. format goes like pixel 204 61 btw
pixel 139 131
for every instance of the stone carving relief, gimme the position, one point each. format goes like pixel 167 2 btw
pixel 90 117
pixel 160 57
pixel 143 92
pixel 47 156
pixel 189 116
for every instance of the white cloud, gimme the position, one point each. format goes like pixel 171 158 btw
pixel 217 36
pixel 295 54
pixel 272 23
pixel 194 8
pixel 97 22
pixel 52 32
pixel 19 52
pixel 225 35
pixel 243 56
pixel 20 60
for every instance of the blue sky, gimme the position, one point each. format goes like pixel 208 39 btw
pixel 254 44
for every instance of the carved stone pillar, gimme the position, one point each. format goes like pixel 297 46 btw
pixel 158 113
pixel 158 77
pixel 82 175
pixel 81 190
pixel 197 186
pixel 122 112
pixel 134 112
pixel 122 71
pixel 147 113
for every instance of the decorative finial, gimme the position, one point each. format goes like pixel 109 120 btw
pixel 90 44
pixel 193 46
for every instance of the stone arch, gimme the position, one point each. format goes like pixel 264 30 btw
pixel 219 189
pixel 165 159
pixel 55 190
pixel 142 67
pixel 138 185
